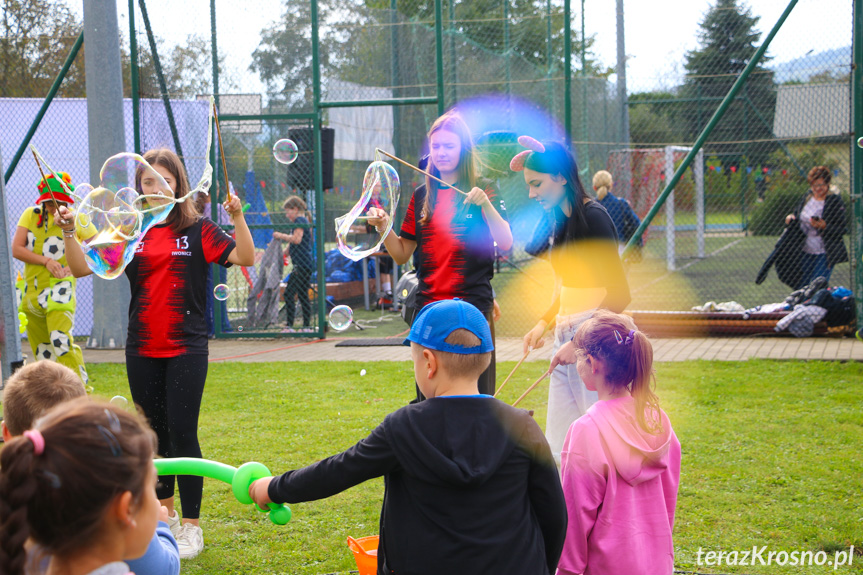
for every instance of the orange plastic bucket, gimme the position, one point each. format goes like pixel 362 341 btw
pixel 365 553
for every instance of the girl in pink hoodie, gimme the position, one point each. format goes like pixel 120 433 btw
pixel 620 464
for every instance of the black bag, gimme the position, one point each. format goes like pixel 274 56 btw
pixel 406 295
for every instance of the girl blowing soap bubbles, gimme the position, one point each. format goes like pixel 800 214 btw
pixel 621 460
pixel 81 486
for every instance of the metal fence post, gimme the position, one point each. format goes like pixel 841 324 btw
pixel 10 339
pixel 698 170
pixel 319 166
pixel 669 213
pixel 133 74
pixel 857 160
pixel 106 135
pixel 438 50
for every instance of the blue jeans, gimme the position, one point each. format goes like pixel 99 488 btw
pixel 568 399
pixel 813 266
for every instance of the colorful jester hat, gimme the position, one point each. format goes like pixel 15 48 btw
pixel 60 191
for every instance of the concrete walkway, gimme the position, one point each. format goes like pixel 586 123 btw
pixel 509 349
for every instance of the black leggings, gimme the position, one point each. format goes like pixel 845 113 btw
pixel 298 284
pixel 169 391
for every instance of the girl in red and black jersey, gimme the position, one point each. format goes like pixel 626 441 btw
pixel 166 346
pixel 454 235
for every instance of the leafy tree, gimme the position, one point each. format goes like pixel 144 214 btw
pixel 36 36
pixel 728 40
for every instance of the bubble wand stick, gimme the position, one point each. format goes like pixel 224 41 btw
pixel 416 169
pixel 518 365
pixel 222 151
pixel 531 388
pixel 45 181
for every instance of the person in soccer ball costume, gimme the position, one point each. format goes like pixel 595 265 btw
pixel 46 294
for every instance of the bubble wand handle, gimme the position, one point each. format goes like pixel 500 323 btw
pixel 416 169
pixel 531 388
pixel 239 479
pixel 518 365
pixel 45 180
pixel 222 151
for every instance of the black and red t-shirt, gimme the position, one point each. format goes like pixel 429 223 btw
pixel 168 276
pixel 455 248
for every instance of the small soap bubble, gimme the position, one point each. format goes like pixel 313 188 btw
pixel 341 317
pixel 860 142
pixel 240 328
pixel 285 151
pixel 362 372
pixel 119 401
pixel 221 292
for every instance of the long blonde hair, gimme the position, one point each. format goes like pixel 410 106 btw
pixel 627 356
pixel 468 162
pixel 602 183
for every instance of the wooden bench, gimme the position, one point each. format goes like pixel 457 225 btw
pixel 699 324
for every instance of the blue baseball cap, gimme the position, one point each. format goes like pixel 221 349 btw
pixel 438 320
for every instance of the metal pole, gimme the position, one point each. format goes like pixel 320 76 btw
pixel 857 181
pixel 10 339
pixel 670 229
pixel 218 307
pixel 506 55
pixel 698 172
pixel 625 188
pixel 452 55
pixel 319 167
pixel 133 72
pixel 106 136
pixel 438 51
pixel 41 113
pixel 720 111
pixel 163 88
pixel 549 67
pixel 567 70
pixel 585 127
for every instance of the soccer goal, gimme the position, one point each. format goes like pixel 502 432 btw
pixel 646 170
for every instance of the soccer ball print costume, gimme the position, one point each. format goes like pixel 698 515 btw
pixel 49 302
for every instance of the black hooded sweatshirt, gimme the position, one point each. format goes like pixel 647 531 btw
pixel 471 487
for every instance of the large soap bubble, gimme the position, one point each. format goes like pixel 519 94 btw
pixel 341 317
pixel 132 197
pixel 285 151
pixel 381 189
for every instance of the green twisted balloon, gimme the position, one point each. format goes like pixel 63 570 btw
pixel 239 479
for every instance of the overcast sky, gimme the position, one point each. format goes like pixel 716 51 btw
pixel 658 32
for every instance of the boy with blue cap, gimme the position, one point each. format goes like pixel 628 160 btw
pixel 470 483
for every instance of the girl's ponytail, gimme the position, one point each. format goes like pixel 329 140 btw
pixel 628 359
pixel 643 382
pixel 17 488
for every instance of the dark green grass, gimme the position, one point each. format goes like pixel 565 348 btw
pixel 771 456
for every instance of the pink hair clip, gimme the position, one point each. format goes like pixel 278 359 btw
pixel 532 145
pixel 35 436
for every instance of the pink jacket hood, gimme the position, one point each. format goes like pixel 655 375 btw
pixel 620 484
pixel 637 455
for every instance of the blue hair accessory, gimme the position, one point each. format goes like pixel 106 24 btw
pixel 630 337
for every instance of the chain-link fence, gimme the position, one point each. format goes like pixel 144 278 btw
pixel 503 65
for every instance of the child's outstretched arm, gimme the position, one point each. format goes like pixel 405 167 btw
pixel 372 457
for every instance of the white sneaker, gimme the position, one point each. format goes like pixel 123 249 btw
pixel 174 524
pixel 190 541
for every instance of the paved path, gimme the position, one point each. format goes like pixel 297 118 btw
pixel 509 349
